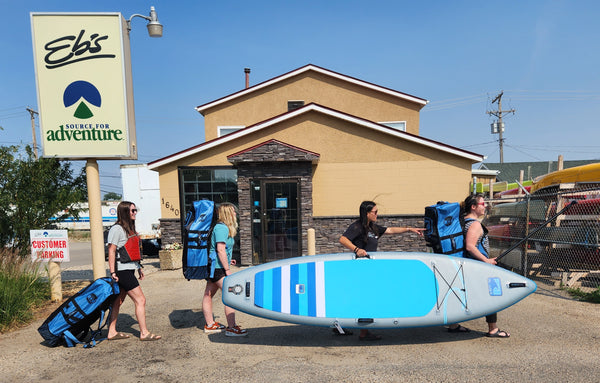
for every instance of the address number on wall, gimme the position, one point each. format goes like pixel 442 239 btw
pixel 170 206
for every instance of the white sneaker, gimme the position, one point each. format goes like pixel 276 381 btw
pixel 235 331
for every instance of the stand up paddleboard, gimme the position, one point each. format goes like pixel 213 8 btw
pixel 387 290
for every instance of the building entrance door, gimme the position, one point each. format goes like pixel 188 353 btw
pixel 275 220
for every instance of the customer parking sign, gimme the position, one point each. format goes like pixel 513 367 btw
pixel 49 245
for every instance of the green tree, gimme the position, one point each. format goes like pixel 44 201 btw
pixel 112 196
pixel 32 191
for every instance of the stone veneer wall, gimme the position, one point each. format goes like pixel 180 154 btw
pixel 329 229
pixel 170 230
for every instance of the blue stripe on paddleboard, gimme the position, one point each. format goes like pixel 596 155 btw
pixel 259 286
pixel 347 295
pixel 276 290
pixel 302 298
pixel 311 291
pixel 267 295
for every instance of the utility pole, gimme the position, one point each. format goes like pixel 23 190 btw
pixel 33 113
pixel 498 127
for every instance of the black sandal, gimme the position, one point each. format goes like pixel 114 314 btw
pixel 458 329
pixel 498 334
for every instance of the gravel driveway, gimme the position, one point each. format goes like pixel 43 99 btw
pixel 554 339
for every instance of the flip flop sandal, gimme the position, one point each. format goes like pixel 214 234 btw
pixel 151 337
pixel 119 336
pixel 497 334
pixel 459 329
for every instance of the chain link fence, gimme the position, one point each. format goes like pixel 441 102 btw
pixel 552 235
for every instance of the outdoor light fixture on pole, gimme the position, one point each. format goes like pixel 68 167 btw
pixel 154 26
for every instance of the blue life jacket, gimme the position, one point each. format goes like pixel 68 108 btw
pixel 480 246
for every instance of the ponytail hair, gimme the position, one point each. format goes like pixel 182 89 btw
pixel 468 203
pixel 227 216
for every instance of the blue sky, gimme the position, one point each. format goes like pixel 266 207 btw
pixel 459 55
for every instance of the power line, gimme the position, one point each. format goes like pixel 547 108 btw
pixel 13 108
pixel 523 152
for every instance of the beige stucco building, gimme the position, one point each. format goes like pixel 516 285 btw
pixel 302 150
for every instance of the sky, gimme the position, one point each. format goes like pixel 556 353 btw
pixel 459 55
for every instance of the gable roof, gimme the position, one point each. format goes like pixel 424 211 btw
pixel 306 68
pixel 321 109
pixel 275 151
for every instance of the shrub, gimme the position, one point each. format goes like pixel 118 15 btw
pixel 593 297
pixel 21 288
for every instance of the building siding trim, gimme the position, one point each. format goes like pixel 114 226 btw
pixel 310 67
pixel 321 109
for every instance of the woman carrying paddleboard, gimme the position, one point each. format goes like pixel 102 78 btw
pixel 362 236
pixel 477 247
pixel 222 241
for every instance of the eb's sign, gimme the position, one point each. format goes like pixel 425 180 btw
pixel 84 86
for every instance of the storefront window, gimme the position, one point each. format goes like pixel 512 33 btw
pixel 212 183
pixel 215 184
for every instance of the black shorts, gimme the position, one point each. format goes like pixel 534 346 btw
pixel 127 280
pixel 219 273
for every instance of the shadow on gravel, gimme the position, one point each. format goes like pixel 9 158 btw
pixel 186 318
pixel 307 336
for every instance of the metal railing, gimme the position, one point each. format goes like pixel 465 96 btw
pixel 551 235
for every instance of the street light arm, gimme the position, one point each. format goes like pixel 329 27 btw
pixel 136 15
pixel 154 26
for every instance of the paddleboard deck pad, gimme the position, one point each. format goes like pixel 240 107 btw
pixel 387 290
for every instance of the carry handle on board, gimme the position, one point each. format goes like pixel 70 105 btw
pixel 574 202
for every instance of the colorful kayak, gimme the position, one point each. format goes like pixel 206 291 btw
pixel 578 174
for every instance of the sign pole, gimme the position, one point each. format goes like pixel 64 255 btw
pixel 55 281
pixel 95 206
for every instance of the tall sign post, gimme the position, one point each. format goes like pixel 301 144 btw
pixel 85 97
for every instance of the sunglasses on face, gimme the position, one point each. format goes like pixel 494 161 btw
pixel 134 210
